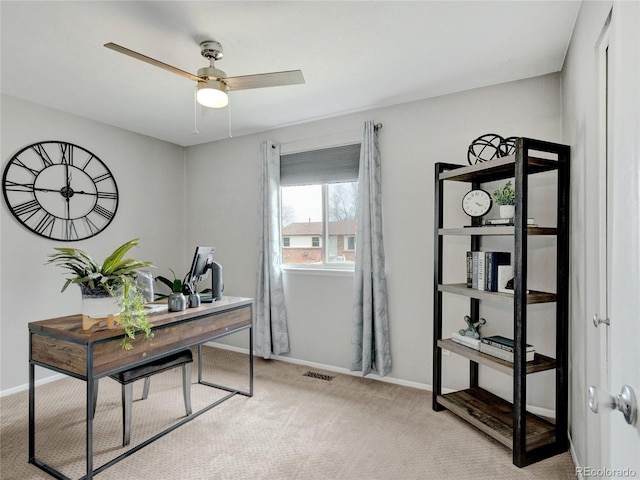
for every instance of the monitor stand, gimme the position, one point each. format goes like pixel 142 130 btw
pixel 208 297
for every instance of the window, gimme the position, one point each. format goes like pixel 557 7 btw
pixel 350 242
pixel 319 192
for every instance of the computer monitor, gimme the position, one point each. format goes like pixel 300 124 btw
pixel 202 263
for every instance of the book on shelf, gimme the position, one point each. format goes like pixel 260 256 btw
pixel 503 342
pixel 503 354
pixel 483 270
pixel 531 222
pixel 465 340
pixel 474 269
pixel 493 261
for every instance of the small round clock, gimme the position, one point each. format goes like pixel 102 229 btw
pixel 476 203
pixel 60 191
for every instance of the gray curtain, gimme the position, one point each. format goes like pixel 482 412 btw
pixel 370 349
pixel 271 335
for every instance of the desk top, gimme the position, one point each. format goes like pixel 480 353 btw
pixel 70 327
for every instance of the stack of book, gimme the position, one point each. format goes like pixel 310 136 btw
pixel 465 340
pixel 502 347
pixel 531 222
pixel 483 272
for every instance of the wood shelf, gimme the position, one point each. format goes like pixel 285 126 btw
pixel 530 438
pixel 494 416
pixel 496 230
pixel 497 169
pixel 461 289
pixel 540 362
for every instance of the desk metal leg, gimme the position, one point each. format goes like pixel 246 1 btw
pixel 251 360
pixel 89 411
pixel 32 414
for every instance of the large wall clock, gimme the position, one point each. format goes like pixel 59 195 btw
pixel 60 191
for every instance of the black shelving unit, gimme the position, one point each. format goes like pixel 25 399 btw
pixel 531 438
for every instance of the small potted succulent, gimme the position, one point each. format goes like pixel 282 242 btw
pixel 110 291
pixel 506 198
pixel 177 301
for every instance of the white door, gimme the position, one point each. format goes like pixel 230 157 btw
pixel 624 248
pixel 599 202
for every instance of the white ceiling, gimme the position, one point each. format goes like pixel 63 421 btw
pixel 354 56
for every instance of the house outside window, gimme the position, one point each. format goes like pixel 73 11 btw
pixel 319 191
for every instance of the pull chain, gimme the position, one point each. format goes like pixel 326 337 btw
pixel 229 111
pixel 195 111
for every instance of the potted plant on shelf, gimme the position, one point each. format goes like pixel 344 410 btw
pixel 506 198
pixel 110 291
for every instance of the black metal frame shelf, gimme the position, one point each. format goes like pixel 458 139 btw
pixel 531 438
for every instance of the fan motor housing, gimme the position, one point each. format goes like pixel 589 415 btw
pixel 211 49
pixel 211 73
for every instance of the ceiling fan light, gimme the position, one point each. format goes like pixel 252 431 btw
pixel 212 94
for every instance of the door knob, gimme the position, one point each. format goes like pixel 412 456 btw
pixel 597 320
pixel 603 402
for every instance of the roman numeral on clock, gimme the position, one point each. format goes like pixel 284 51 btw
pixel 100 210
pixel 31 206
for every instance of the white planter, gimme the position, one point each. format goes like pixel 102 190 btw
pixel 98 306
pixel 507 211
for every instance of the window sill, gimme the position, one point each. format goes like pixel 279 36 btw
pixel 316 270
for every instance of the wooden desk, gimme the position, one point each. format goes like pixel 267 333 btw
pixel 61 345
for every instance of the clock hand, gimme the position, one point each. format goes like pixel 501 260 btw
pixel 39 189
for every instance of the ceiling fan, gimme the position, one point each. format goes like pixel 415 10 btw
pixel 213 84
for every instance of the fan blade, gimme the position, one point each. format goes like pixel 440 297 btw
pixel 262 80
pixel 152 61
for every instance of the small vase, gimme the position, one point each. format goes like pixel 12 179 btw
pixel 98 305
pixel 177 302
pixel 194 300
pixel 507 211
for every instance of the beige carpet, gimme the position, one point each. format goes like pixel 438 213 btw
pixel 295 427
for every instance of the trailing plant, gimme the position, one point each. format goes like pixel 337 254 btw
pixel 117 276
pixel 133 317
pixel 505 195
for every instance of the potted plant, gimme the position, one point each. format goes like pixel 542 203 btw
pixel 109 289
pixel 176 300
pixel 506 198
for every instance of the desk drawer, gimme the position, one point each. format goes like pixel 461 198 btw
pixel 110 356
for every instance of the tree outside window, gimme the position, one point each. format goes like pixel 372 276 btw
pixel 319 224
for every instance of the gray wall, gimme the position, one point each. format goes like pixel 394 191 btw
pixel 218 201
pixel 414 137
pixel 150 178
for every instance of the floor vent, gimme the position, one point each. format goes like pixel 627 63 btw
pixel 319 376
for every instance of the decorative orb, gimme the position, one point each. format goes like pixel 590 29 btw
pixel 485 148
pixel 508 146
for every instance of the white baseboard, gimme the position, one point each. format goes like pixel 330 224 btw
pixel 330 368
pixel 574 457
pixel 21 388
pixel 543 412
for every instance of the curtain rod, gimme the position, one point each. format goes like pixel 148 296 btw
pixel 377 127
